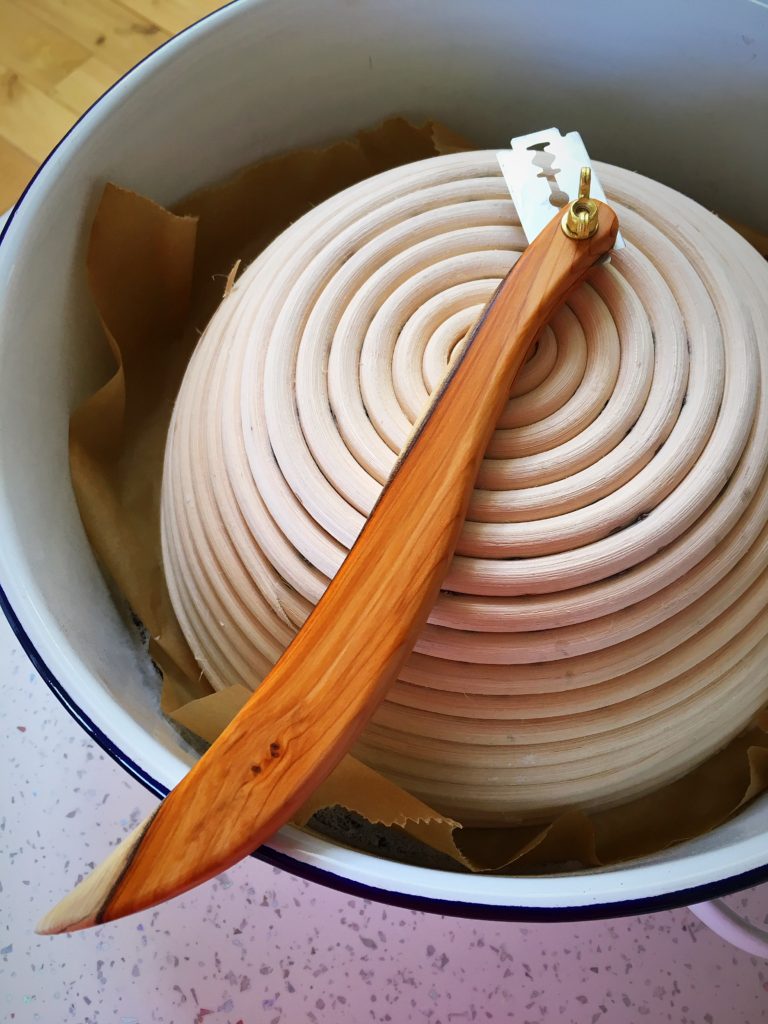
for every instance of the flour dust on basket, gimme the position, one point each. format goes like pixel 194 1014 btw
pixel 599 632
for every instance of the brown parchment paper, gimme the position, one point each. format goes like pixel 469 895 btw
pixel 156 277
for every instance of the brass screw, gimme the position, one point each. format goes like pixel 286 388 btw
pixel 580 219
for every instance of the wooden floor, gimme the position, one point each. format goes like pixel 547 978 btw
pixel 58 56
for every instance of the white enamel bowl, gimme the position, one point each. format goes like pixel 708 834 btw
pixel 648 89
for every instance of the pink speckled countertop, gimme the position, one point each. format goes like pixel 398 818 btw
pixel 258 946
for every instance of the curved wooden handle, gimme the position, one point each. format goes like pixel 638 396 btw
pixel 315 702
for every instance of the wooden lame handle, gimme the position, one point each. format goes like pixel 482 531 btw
pixel 314 703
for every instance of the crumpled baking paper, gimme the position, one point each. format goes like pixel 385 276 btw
pixel 156 277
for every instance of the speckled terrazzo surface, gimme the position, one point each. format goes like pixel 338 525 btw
pixel 258 946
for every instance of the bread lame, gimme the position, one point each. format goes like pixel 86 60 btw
pixel 307 713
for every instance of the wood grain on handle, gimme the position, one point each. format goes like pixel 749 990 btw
pixel 315 702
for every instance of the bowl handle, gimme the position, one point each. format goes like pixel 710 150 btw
pixel 726 923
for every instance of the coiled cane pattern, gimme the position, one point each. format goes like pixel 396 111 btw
pixel 600 631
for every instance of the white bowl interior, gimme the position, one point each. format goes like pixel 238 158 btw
pixel 648 87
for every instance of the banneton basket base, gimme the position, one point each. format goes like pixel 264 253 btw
pixel 600 631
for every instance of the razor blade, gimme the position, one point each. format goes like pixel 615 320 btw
pixel 542 171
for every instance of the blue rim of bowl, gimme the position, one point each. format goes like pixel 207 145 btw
pixel 447 908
